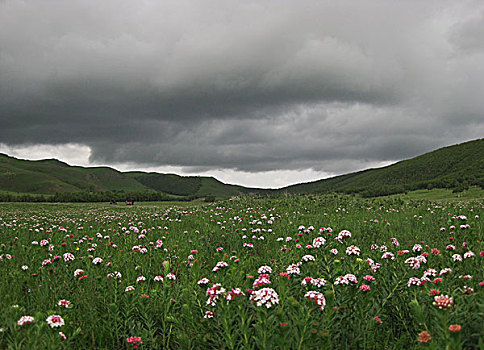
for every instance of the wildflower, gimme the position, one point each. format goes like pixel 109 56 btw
pixel 293 269
pixel 343 234
pixel 369 278
pixel 306 280
pixel 265 296
pixel 55 321
pixel 62 335
pixel 24 267
pixel 377 319
pixel 235 292
pixel 430 272
pixel 129 289
pixel 171 276
pixel 434 292
pixel 64 302
pixel 417 248
pixel 334 251
pixel 134 341
pixel 317 297
pixel 158 279
pixel 264 269
pixel 284 274
pixel 352 250
pixel 424 337
pixel 140 279
pixel 262 280
pixel 213 293
pixel 443 301
pixel 318 282
pixel 364 287
pixel 468 290
pixel 145 296
pixel 318 242
pixel 388 255
pixel 351 278
pixel 445 271
pixel 25 320
pixel 413 281
pixel 455 328
pixel 97 261
pixel 68 257
pixel 308 257
pixel 341 280
pixel 469 254
pixel 114 274
pixel 203 281
pixel 208 314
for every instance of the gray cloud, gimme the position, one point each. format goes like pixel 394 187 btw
pixel 251 86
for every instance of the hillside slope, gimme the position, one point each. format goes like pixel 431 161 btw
pixel 455 166
pixel 50 176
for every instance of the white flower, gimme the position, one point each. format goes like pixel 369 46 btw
pixel 267 297
pixel 264 269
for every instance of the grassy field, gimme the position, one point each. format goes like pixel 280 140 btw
pixel 443 194
pixel 302 272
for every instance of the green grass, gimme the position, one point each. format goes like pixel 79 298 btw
pixel 443 194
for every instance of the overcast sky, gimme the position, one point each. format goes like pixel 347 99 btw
pixel 258 93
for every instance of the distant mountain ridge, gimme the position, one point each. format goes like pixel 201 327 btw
pixel 456 166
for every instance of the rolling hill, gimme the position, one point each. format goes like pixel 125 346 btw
pixel 455 167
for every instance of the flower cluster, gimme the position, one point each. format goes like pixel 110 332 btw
pixel 317 297
pixel 443 301
pixel 134 341
pixel 267 297
pixel 213 293
pixel 55 321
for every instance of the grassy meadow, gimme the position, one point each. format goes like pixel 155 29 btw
pixel 298 272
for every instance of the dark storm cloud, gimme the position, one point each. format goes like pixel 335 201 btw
pixel 251 86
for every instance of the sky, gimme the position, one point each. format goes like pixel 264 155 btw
pixel 258 93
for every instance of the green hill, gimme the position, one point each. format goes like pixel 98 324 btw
pixel 456 167
pixel 50 176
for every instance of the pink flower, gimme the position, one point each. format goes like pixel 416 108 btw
pixel 364 287
pixel 25 320
pixel 369 278
pixel 64 302
pixel 134 341
pixel 55 321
